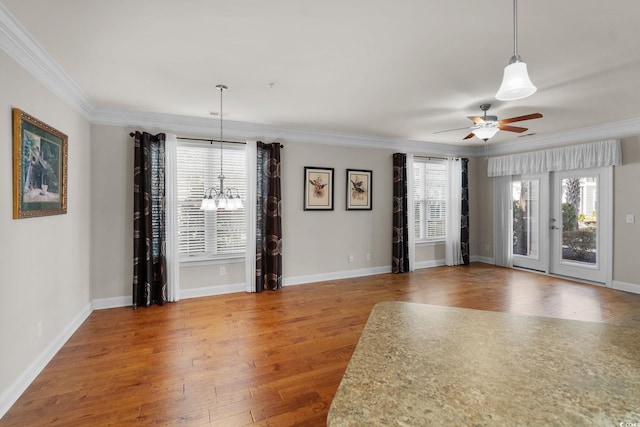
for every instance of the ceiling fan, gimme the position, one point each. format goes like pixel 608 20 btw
pixel 487 126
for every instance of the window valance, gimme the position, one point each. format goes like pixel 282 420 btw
pixel 582 156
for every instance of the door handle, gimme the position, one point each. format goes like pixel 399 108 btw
pixel 553 227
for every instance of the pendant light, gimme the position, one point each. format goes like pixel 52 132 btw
pixel 221 198
pixel 516 83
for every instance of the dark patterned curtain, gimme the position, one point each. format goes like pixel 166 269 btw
pixel 400 249
pixel 269 219
pixel 464 219
pixel 149 261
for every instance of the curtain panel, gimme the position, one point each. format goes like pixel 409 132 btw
pixel 268 245
pixel 582 156
pixel 149 259
pixel 453 243
pixel 400 261
pixel 171 218
pixel 464 212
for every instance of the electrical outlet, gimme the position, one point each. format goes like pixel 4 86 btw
pixel 368 257
pixel 223 271
pixel 631 219
pixel 486 248
pixel 350 258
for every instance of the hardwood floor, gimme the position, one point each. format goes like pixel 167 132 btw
pixel 269 359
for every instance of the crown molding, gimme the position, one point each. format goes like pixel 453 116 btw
pixel 252 131
pixel 16 41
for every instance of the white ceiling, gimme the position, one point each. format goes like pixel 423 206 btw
pixel 393 69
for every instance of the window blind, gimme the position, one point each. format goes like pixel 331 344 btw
pixel 209 234
pixel 429 196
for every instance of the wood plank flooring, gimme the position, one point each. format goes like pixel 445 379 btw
pixel 269 359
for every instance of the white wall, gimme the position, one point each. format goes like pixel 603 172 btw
pixel 44 262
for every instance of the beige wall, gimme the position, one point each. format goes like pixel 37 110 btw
pixel 44 262
pixel 626 201
pixel 316 244
pixel 626 237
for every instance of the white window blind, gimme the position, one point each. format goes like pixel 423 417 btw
pixel 202 234
pixel 429 199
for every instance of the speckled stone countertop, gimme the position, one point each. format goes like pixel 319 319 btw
pixel 422 365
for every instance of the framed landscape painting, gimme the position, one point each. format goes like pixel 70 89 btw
pixel 39 168
pixel 318 188
pixel 358 189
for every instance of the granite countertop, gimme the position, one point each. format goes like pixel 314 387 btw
pixel 419 365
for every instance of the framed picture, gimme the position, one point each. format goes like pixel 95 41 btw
pixel 318 189
pixel 39 168
pixel 358 189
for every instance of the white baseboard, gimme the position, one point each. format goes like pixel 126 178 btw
pixel 102 303
pixel 429 264
pixel 11 395
pixel 322 277
pixel 212 290
pixel 627 287
pixel 486 260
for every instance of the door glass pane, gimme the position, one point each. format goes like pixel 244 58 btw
pixel 526 218
pixel 579 219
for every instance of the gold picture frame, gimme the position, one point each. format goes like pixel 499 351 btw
pixel 39 168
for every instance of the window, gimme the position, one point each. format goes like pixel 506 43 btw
pixel 211 234
pixel 429 199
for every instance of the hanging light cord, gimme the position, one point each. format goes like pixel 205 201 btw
pixel 221 177
pixel 515 57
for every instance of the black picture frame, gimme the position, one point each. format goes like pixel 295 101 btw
pixel 318 188
pixel 359 190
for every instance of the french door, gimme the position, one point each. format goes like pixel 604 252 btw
pixel 581 224
pixel 530 199
pixel 562 223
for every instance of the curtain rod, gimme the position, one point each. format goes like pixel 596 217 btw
pixel 214 140
pixel 431 157
pixel 184 138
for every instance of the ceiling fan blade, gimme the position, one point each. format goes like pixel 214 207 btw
pixel 475 119
pixel 521 118
pixel 471 135
pixel 512 128
pixel 451 130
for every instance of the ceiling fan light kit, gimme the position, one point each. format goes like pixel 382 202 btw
pixel 485 133
pixel 516 83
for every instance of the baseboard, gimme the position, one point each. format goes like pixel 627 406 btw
pixel 11 395
pixel 486 260
pixel 348 274
pixel 212 290
pixel 627 287
pixel 429 264
pixel 114 302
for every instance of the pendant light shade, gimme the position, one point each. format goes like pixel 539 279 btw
pixel 516 83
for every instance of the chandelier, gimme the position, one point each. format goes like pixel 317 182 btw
pixel 221 198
